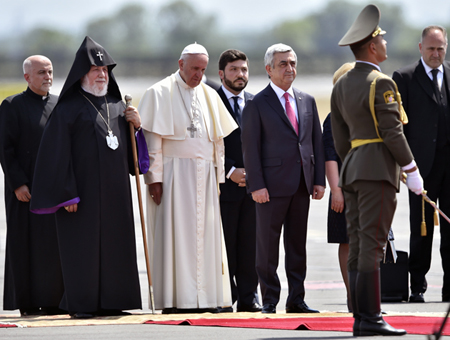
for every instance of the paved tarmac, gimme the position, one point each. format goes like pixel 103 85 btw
pixel 324 290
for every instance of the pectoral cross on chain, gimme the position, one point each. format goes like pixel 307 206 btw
pixel 192 129
pixel 100 55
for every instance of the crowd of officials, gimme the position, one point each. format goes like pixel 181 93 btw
pixel 226 171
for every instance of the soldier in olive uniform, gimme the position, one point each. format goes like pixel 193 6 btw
pixel 366 119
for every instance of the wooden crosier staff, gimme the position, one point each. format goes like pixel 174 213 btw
pixel 141 210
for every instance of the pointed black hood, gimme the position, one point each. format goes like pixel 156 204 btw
pixel 90 53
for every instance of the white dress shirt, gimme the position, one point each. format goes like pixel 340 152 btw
pixel 280 94
pixel 241 103
pixel 440 75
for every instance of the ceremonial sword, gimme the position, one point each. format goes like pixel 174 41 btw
pixel 427 199
pixel 437 334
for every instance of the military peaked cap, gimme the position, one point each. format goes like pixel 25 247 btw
pixel 365 25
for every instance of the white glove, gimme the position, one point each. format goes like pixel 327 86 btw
pixel 414 182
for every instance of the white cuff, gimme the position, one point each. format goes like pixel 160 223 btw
pixel 230 172
pixel 409 166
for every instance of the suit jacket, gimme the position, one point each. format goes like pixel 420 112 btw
pixel 351 119
pixel 230 191
pixel 422 108
pixel 274 156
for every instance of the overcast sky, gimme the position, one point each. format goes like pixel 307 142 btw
pixel 18 16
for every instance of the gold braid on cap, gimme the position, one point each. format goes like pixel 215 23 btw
pixel 377 31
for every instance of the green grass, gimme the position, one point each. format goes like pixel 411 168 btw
pixel 8 89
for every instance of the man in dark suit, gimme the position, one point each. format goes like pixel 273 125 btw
pixel 428 134
pixel 237 207
pixel 366 120
pixel 284 163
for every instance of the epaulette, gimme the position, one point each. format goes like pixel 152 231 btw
pixel 389 98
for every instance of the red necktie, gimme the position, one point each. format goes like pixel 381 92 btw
pixel 290 113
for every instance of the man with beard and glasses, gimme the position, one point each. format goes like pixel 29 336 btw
pixel 33 279
pixel 236 206
pixel 83 166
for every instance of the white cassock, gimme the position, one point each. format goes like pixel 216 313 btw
pixel 187 253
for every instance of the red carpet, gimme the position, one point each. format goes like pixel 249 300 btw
pixel 3 325
pixel 412 324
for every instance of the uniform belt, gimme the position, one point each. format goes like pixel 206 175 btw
pixel 359 142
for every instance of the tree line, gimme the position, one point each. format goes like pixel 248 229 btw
pixel 147 41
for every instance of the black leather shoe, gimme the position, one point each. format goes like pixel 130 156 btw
pixel 53 311
pixel 416 297
pixel 356 325
pixel 31 312
pixel 197 310
pixel 302 307
pixel 112 312
pixel 256 307
pixel 82 315
pixel 171 310
pixel 225 309
pixel 269 308
pixel 380 327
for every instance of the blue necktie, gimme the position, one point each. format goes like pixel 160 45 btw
pixel 237 110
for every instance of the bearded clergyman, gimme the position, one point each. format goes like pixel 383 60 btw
pixel 82 175
pixel 184 123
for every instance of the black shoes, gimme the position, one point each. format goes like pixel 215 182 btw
pixel 53 311
pixel 367 314
pixel 41 311
pixel 302 307
pixel 171 310
pixel 174 310
pixel 24 312
pixel 82 315
pixel 112 312
pixel 416 297
pixel 269 308
pixel 256 307
pixel 380 327
pixel 101 312
pixel 225 309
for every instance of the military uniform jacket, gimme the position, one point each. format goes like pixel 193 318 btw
pixel 351 119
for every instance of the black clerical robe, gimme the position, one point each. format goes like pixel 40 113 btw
pixel 97 243
pixel 32 268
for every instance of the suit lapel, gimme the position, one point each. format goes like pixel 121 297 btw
pixel 225 101
pixel 274 102
pixel 447 78
pixel 248 96
pixel 425 81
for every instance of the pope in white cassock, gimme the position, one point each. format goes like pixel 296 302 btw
pixel 184 123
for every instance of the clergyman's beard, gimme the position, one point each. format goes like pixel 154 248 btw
pixel 94 89
pixel 230 84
